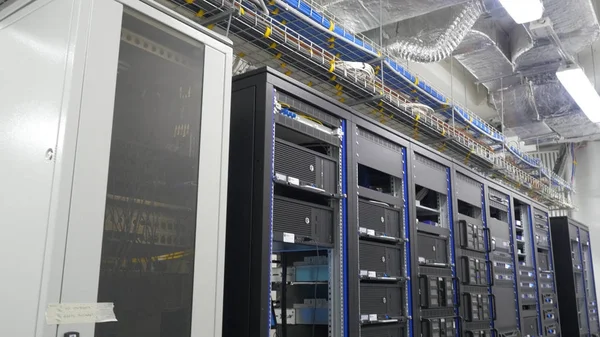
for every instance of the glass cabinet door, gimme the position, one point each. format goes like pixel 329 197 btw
pixel 147 263
pixel 160 249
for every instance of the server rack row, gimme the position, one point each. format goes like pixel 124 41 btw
pixel 342 227
pixel 575 277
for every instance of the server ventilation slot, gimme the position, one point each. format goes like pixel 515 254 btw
pixel 379 222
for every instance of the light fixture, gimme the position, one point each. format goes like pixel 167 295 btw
pixel 523 11
pixel 581 89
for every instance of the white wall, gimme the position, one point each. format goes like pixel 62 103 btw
pixel 587 197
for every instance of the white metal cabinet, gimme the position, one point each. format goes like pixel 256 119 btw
pixel 145 132
pixel 36 67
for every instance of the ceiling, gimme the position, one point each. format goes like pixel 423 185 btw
pixel 515 63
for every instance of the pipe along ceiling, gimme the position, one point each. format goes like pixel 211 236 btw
pixel 516 63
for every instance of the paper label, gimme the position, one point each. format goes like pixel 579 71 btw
pixel 364 273
pixel 362 230
pixel 280 176
pixel 289 237
pixel 294 181
pixel 371 232
pixel 73 313
pixel 421 259
pixel 373 317
pixel 372 274
pixel 364 317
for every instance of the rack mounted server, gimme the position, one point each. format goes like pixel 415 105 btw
pixel 340 226
pixel 575 277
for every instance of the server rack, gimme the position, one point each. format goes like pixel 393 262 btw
pixel 286 218
pixel 526 265
pixel 473 245
pixel 379 254
pixel 430 191
pixel 549 314
pixel 396 230
pixel 574 277
pixel 588 276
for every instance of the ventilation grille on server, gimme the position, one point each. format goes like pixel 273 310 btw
pixel 379 218
pixel 377 257
pixel 294 162
pixel 370 215
pixel 378 140
pixel 286 215
pixel 469 180
pixel 430 163
pixel 381 299
pixel 382 331
pixel 307 109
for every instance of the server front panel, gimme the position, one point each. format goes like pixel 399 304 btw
pixel 437 300
pixel 473 243
pixel 548 315
pixel 588 276
pixel 503 260
pixel 383 290
pixel 306 212
pixel 527 276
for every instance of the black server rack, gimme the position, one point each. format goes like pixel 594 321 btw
pixel 574 277
pixel 286 211
pixel 436 310
pixel 548 316
pixel 339 226
pixel 473 245
pixel 378 242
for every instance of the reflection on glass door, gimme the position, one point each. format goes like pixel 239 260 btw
pixel 150 218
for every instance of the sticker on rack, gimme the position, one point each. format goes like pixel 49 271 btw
pixel 364 272
pixel 362 230
pixel 372 274
pixel 289 237
pixel 364 317
pixel 294 181
pixel 75 313
pixel 371 232
pixel 280 177
pixel 373 317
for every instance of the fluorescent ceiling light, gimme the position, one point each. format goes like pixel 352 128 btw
pixel 581 89
pixel 523 11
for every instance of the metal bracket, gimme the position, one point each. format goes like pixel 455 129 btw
pixel 218 17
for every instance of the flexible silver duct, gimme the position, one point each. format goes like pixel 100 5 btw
pixel 439 43
pixel 364 15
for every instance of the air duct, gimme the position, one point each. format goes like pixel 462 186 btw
pixel 364 15
pixel 438 42
pixel 534 102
